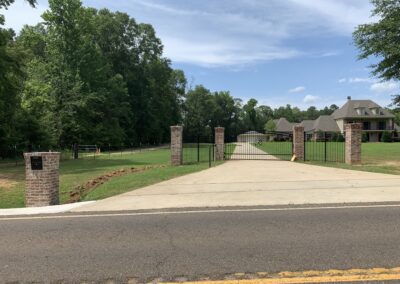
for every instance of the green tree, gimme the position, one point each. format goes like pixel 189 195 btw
pixel 381 40
pixel 199 112
pixel 270 126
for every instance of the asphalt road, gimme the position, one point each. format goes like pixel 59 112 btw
pixel 195 245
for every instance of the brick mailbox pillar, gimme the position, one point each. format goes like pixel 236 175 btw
pixel 353 143
pixel 219 143
pixel 176 145
pixel 42 178
pixel 298 142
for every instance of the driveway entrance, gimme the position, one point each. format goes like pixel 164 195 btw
pixel 256 146
pixel 255 183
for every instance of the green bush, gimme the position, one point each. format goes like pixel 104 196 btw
pixel 386 136
pixel 340 138
pixel 364 137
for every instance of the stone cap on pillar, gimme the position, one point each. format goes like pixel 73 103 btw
pixel 353 126
pixel 176 127
pixel 298 128
pixel 219 129
pixel 46 156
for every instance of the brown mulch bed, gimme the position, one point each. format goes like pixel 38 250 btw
pixel 80 191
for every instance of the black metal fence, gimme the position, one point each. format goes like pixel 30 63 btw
pixel 13 155
pixel 198 149
pixel 324 147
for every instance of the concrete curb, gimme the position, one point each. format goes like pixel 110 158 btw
pixel 43 210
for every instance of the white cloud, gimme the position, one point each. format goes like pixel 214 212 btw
pixel 339 16
pixel 361 80
pixel 342 80
pixel 298 89
pixel 384 87
pixel 230 33
pixel 310 99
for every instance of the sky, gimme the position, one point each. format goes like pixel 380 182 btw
pixel 297 52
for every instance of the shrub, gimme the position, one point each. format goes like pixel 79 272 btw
pixel 386 136
pixel 340 138
pixel 364 137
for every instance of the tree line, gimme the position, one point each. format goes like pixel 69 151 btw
pixel 91 76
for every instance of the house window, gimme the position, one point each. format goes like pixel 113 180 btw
pixel 375 111
pixel 366 125
pixel 361 111
pixel 382 125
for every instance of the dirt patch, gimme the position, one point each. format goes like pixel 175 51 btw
pixel 391 163
pixel 80 191
pixel 7 183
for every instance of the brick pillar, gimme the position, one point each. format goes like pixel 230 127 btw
pixel 298 142
pixel 353 143
pixel 176 145
pixel 42 178
pixel 219 143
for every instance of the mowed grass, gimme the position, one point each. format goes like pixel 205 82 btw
pixel 321 151
pixel 280 149
pixel 375 157
pixel 74 173
pixel 194 153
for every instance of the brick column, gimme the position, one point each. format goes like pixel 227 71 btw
pixel 298 142
pixel 42 178
pixel 176 145
pixel 219 143
pixel 353 143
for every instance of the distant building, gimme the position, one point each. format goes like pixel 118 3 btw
pixel 251 137
pixel 374 118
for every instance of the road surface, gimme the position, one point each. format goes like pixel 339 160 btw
pixel 197 244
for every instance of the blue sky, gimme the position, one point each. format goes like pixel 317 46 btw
pixel 297 52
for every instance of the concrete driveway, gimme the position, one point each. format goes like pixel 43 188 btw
pixel 252 183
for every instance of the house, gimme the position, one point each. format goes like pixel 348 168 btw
pixel 283 125
pixel 374 118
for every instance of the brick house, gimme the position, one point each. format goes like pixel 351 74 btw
pixel 374 118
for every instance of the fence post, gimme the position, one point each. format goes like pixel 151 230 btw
pixel 75 149
pixel 353 143
pixel 298 142
pixel 198 149
pixel 325 146
pixel 209 155
pixel 176 145
pixel 219 143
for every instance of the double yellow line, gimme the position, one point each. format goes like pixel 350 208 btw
pixel 310 276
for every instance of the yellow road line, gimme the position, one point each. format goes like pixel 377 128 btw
pixel 311 276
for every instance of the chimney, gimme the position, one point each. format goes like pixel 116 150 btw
pixel 348 98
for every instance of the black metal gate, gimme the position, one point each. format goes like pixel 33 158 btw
pixel 259 146
pixel 324 147
pixel 198 149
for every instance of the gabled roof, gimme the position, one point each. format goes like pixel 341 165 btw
pixel 349 110
pixel 325 123
pixel 282 125
pixel 308 125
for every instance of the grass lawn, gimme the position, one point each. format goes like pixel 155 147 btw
pixel 319 151
pixel 74 173
pixel 280 149
pixel 375 157
pixel 194 153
